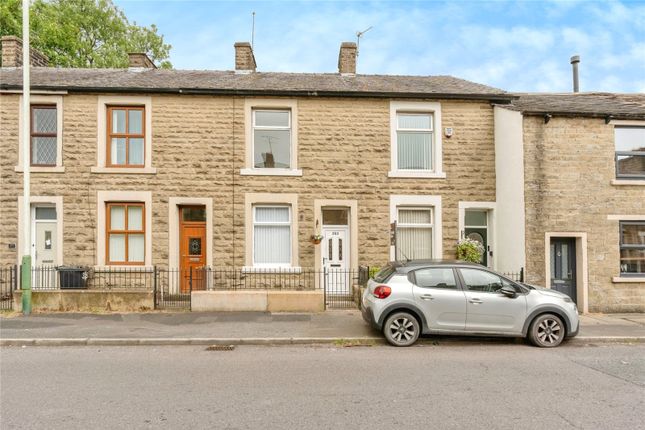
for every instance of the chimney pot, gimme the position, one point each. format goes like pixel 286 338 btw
pixel 244 58
pixel 575 60
pixel 347 58
pixel 140 60
pixel 12 53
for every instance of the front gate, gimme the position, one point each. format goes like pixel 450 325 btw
pixel 343 287
pixel 8 283
pixel 168 291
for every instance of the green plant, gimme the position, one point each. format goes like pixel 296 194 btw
pixel 470 250
pixel 374 270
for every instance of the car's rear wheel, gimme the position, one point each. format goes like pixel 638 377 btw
pixel 401 329
pixel 547 331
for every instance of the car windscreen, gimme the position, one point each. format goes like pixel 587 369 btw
pixel 384 274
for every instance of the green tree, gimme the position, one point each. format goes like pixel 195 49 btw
pixel 84 33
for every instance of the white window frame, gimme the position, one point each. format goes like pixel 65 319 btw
pixel 252 200
pixel 250 107
pixel 42 100
pixel 434 110
pixel 421 201
pixel 101 134
pixel 419 226
pixel 275 223
pixel 104 197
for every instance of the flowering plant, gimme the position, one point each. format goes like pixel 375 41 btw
pixel 470 250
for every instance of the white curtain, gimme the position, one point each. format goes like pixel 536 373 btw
pixel 117 217
pixel 136 248
pixel 272 236
pixel 117 247
pixel 135 151
pixel 135 218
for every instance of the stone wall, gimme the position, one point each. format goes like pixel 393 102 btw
pixel 569 168
pixel 199 149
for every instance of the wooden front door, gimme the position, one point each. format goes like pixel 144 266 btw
pixel 192 247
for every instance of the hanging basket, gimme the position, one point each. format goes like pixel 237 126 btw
pixel 315 239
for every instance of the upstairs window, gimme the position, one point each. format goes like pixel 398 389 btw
pixel 632 248
pixel 44 135
pixel 126 136
pixel 414 141
pixel 272 139
pixel 630 152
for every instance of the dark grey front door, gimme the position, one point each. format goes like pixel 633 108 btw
pixel 563 266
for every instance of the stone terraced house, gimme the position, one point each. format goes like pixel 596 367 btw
pixel 144 167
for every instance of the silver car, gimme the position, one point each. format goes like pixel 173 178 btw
pixel 405 300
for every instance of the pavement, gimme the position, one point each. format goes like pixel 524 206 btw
pixel 247 328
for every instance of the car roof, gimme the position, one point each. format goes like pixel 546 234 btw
pixel 408 266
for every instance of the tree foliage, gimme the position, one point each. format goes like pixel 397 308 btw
pixel 84 33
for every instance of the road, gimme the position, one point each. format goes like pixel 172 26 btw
pixel 474 385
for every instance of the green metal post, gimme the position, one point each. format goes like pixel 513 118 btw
pixel 25 284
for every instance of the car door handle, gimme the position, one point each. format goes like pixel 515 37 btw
pixel 475 301
pixel 427 297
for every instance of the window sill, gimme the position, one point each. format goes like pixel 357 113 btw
pixel 620 182
pixel 126 170
pixel 123 268
pixel 271 172
pixel 415 174
pixel 43 169
pixel 286 269
pixel 627 279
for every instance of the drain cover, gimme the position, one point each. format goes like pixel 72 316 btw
pixel 221 348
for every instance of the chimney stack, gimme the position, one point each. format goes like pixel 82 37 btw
pixel 140 60
pixel 575 60
pixel 12 53
pixel 347 58
pixel 244 58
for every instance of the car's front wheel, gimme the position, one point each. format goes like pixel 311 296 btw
pixel 401 329
pixel 547 331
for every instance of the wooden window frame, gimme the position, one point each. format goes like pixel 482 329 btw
pixel 127 136
pixel 126 232
pixel 33 134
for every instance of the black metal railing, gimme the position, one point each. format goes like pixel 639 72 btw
pixel 515 276
pixel 172 287
pixel 8 283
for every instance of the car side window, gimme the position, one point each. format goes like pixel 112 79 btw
pixel 482 281
pixel 436 278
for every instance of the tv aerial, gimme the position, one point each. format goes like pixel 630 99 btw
pixel 360 34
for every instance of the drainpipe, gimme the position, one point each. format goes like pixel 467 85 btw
pixel 575 60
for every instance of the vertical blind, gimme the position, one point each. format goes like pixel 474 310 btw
pixel 414 234
pixel 272 235
pixel 414 141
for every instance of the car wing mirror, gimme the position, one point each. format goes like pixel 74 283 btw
pixel 508 291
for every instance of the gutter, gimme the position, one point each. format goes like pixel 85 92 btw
pixel 605 116
pixel 497 98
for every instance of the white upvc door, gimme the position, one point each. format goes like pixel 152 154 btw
pixel 44 246
pixel 335 254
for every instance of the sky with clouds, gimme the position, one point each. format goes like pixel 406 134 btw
pixel 516 46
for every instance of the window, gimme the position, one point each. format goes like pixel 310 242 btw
pixel 271 139
pixel 632 248
pixel 125 233
pixel 414 233
pixel 630 152
pixel 435 278
pixel 271 236
pixel 414 141
pixel 485 282
pixel 126 136
pixel 44 135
